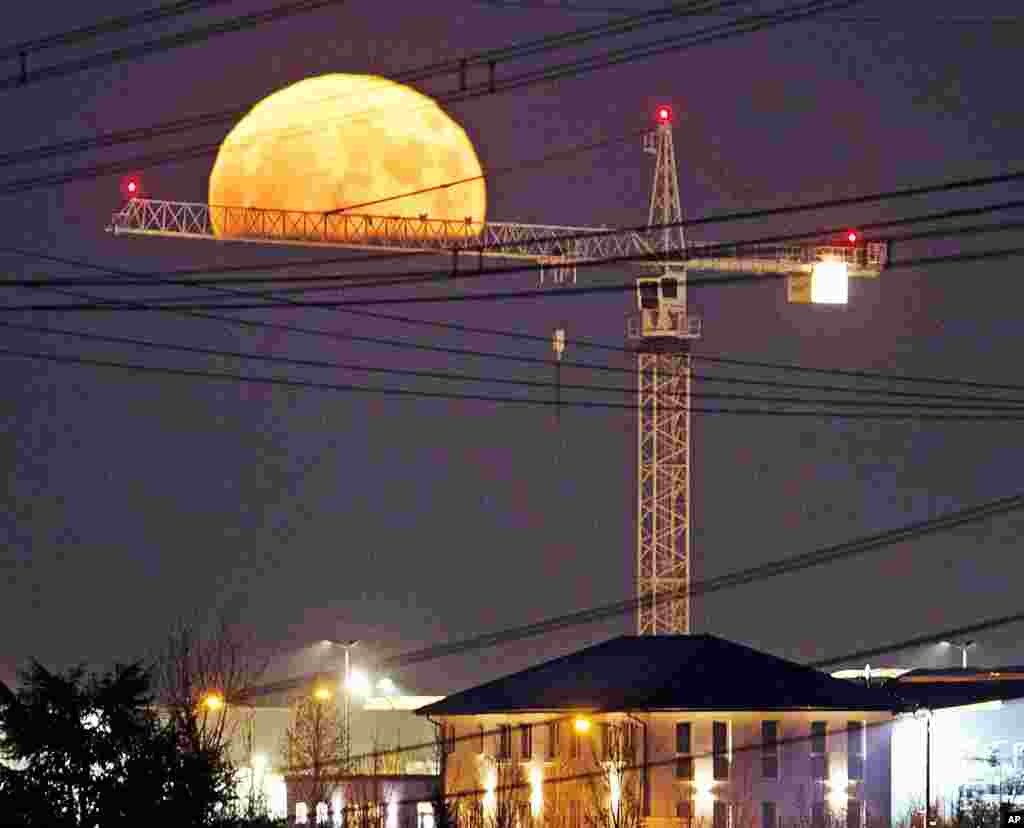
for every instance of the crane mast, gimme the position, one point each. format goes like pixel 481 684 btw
pixel 661 332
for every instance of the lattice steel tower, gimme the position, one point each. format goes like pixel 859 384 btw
pixel 660 332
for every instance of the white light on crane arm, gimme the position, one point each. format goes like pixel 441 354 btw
pixel 830 283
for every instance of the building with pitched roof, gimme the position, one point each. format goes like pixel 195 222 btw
pixel 676 730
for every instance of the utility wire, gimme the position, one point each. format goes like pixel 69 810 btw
pixel 116 24
pixel 524 80
pixel 435 70
pixel 632 372
pixel 716 281
pixel 163 44
pixel 755 574
pixel 961 403
pixel 998 415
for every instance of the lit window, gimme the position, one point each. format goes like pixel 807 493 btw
pixel 322 817
pixel 504 742
pixel 526 741
pixel 770 750
pixel 424 815
pixel 720 749
pixel 481 744
pixel 301 813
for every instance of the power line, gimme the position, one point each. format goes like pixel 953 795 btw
pixel 430 71
pixel 959 403
pixel 163 44
pixel 699 37
pixel 116 24
pixel 546 362
pixel 916 21
pixel 1004 414
pixel 493 295
pixel 755 574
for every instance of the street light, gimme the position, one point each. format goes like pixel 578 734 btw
pixel 963 650
pixel 213 701
pixel 347 645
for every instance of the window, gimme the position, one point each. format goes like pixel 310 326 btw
pixel 684 761
pixel 770 750
pixel 448 735
pixel 480 745
pixel 649 294
pixel 301 813
pixel 553 735
pixel 819 758
pixel 684 810
pixel 670 288
pixel 854 813
pixel 855 750
pixel 629 740
pixel 720 815
pixel 322 817
pixel 504 742
pixel 720 749
pixel 575 744
pixel 526 741
pixel 523 814
pixel 768 815
pixel 818 815
pixel 424 815
pixel 606 741
pixel 683 737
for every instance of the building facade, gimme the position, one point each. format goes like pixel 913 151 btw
pixel 682 730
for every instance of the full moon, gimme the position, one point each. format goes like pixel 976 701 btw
pixel 341 141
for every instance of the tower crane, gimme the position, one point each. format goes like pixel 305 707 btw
pixel 660 331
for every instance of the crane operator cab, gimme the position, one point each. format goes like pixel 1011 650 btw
pixel 661 306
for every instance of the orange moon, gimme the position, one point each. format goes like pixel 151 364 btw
pixel 343 140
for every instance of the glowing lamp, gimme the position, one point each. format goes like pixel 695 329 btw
pixel 664 114
pixel 830 283
pixel 358 683
pixel 851 237
pixel 322 694
pixel 213 701
pixel 582 725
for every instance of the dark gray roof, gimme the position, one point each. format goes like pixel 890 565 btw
pixel 664 672
pixel 954 687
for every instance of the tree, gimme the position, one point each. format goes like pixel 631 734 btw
pixel 88 750
pixel 195 663
pixel 616 796
pixel 313 749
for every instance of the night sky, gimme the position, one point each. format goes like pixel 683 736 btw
pixel 131 499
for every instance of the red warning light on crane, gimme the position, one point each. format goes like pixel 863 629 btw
pixel 664 114
pixel 131 187
pixel 851 236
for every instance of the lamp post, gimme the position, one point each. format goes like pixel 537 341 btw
pixel 347 645
pixel 963 648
